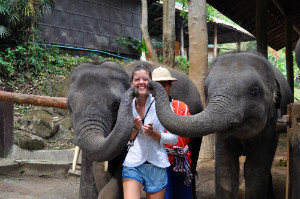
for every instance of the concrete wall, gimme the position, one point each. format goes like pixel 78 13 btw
pixel 93 24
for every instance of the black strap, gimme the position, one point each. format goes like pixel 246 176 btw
pixel 147 112
pixel 131 143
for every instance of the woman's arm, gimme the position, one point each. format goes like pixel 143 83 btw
pixel 168 138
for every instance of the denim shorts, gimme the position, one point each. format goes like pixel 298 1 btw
pixel 153 178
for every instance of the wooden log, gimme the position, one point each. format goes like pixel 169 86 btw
pixel 45 101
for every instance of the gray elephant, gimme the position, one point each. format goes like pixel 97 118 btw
pixel 103 126
pixel 245 95
pixel 102 129
pixel 297 53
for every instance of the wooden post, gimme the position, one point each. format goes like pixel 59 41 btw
pixel 289 51
pixel 6 125
pixel 239 46
pixel 215 39
pixel 261 27
pixel 287 180
pixel 294 152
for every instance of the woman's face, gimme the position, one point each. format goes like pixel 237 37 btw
pixel 140 80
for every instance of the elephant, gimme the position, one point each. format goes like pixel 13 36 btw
pixel 245 95
pixel 297 53
pixel 101 127
pixel 103 122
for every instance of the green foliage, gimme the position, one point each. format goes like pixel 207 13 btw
pixel 37 63
pixel 277 59
pixel 297 94
pixel 135 44
pixel 182 63
pixel 35 60
pixel 20 18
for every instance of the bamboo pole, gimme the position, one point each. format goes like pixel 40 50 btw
pixel 38 100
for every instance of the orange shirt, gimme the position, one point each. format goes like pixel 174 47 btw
pixel 181 109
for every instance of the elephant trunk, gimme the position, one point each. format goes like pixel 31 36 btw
pixel 100 148
pixel 214 118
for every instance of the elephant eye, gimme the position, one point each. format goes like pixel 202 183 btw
pixel 115 106
pixel 254 92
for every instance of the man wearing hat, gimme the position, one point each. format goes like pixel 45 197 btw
pixel 179 173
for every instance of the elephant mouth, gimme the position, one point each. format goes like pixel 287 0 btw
pixel 232 126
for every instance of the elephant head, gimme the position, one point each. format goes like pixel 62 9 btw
pixel 297 53
pixel 243 92
pixel 102 129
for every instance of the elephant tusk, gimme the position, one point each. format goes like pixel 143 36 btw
pixel 105 164
pixel 75 159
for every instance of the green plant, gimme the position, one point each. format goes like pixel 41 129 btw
pixel 182 63
pixel 19 20
pixel 135 44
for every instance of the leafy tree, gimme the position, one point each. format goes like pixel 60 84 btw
pixel 133 43
pixel 20 18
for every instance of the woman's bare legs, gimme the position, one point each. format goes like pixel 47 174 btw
pixel 157 195
pixel 132 188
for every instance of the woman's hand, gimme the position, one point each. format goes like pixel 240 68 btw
pixel 137 124
pixel 148 129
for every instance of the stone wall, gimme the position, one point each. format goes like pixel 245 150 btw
pixel 93 24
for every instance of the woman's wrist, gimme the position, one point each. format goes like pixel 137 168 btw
pixel 152 134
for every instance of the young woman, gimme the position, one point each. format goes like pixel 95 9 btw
pixel 146 162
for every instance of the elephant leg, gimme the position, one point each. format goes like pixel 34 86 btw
pixel 194 145
pixel 88 187
pixel 257 168
pixel 226 168
pixel 101 177
pixel 113 189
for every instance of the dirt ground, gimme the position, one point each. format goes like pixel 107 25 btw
pixel 47 187
pixel 205 183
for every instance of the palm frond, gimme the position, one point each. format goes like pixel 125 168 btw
pixel 4 32
pixel 3 7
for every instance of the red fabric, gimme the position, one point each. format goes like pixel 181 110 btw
pixel 181 109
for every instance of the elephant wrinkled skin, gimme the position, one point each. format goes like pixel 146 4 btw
pixel 103 126
pixel 245 95
pixel 102 129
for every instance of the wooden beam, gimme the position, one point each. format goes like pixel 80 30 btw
pixel 261 27
pixel 278 5
pixel 18 98
pixel 289 52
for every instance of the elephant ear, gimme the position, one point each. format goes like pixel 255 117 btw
pixel 277 96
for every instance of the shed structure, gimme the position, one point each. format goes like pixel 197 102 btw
pixel 243 12
pixel 93 24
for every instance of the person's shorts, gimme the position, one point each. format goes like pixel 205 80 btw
pixel 153 178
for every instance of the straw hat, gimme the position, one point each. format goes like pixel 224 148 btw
pixel 162 74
